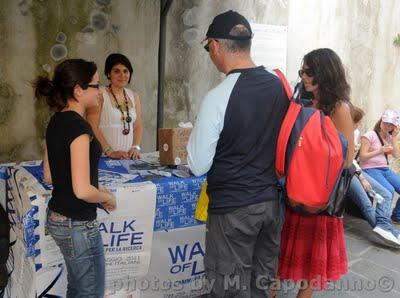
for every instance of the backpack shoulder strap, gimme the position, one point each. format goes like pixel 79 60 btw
pixel 286 127
pixel 285 83
pixel 383 144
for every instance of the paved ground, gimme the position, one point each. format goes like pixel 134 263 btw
pixel 374 269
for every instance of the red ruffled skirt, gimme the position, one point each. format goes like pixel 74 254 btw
pixel 313 249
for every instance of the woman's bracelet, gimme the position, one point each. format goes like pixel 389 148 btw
pixel 108 149
pixel 136 147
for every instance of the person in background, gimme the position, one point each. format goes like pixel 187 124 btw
pixel 376 147
pixel 117 120
pixel 313 249
pixel 234 142
pixel 71 165
pixel 362 187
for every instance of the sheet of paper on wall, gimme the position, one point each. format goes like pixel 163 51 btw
pixel 269 46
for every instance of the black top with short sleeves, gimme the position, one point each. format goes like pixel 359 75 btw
pixel 63 129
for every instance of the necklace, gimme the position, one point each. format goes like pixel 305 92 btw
pixel 125 119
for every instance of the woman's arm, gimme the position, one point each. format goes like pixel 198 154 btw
pixel 46 167
pixel 365 154
pixel 137 129
pixel 80 173
pixel 364 182
pixel 93 115
pixel 341 117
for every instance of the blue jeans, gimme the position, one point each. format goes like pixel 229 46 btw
pixel 376 217
pixel 82 248
pixel 391 181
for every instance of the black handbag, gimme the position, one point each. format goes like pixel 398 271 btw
pixel 336 204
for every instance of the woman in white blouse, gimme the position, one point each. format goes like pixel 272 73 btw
pixel 117 120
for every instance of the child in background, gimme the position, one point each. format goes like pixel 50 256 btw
pixel 376 147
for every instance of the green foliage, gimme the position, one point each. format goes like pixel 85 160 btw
pixel 396 40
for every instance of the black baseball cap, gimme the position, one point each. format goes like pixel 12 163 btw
pixel 223 24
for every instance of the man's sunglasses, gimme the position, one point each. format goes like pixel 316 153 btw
pixel 207 46
pixel 308 71
pixel 96 86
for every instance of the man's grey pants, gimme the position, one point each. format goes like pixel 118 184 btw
pixel 242 250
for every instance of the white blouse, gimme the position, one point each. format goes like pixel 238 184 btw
pixel 111 123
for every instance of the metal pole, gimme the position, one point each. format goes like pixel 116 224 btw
pixel 164 7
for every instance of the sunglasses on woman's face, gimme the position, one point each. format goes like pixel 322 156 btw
pixel 96 86
pixel 308 71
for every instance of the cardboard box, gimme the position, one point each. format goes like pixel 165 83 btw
pixel 172 145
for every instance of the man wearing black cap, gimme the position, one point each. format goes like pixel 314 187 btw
pixel 234 142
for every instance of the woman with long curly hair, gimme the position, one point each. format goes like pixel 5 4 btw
pixel 313 248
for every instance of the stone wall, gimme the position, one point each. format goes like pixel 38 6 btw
pixel 190 72
pixel 362 33
pixel 36 34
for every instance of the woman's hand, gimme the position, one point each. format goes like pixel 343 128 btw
pixel 395 132
pixel 118 154
pixel 134 153
pixel 103 189
pixel 367 186
pixel 111 203
pixel 387 149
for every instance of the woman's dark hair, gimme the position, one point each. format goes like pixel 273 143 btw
pixel 114 59
pixel 67 75
pixel 330 76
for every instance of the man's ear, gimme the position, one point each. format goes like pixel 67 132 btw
pixel 217 48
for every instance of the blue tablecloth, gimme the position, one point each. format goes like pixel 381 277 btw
pixel 174 225
pixel 176 197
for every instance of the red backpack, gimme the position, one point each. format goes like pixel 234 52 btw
pixel 310 159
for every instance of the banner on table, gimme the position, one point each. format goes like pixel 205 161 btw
pixel 176 268
pixel 127 232
pixel 176 202
pixel 21 269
